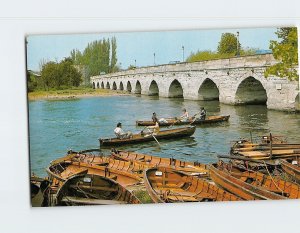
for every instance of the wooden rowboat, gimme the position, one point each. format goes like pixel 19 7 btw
pixel 292 168
pixel 62 171
pixel 148 161
pixel 249 185
pixel 90 189
pixel 140 138
pixel 168 185
pixel 104 161
pixel 191 121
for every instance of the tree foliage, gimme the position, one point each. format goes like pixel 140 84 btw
pixel 99 56
pixel 286 52
pixel 55 76
pixel 210 55
pixel 228 44
pixel 227 48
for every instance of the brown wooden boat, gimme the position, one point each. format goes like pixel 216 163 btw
pixel 272 147
pixel 140 138
pixel 191 121
pixel 192 168
pixel 270 154
pixel 168 185
pixel 108 162
pixel 252 185
pixel 91 189
pixel 63 170
pixel 292 167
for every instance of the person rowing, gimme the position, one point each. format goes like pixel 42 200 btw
pixel 185 116
pixel 152 130
pixel 119 132
pixel 200 115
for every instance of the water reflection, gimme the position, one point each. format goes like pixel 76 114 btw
pixel 57 126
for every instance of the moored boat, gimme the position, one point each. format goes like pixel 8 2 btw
pixel 191 121
pixel 91 189
pixel 192 168
pixel 140 138
pixel 63 170
pixel 166 185
pixel 291 166
pixel 100 160
pixel 252 185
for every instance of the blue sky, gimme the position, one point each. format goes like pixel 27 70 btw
pixel 140 46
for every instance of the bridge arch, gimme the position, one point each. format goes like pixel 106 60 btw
pixel 250 91
pixel 114 86
pixel 102 85
pixel 175 89
pixel 94 85
pixel 153 89
pixel 121 87
pixel 138 87
pixel 107 85
pixel 208 90
pixel 98 85
pixel 128 86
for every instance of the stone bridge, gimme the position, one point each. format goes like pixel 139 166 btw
pixel 236 81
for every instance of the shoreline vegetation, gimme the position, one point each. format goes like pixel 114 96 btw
pixel 72 93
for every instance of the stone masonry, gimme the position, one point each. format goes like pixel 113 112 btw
pixel 238 80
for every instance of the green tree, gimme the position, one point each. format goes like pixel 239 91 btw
pixel 31 82
pixel 59 75
pixel 228 44
pixel 114 60
pixel 286 52
pixel 99 56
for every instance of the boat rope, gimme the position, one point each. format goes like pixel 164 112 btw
pixel 272 178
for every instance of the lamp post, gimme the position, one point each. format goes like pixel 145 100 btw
pixel 237 44
pixel 182 53
pixel 154 58
pixel 135 63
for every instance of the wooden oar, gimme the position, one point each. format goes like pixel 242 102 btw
pixel 175 121
pixel 154 137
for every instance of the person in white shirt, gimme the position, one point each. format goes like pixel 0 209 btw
pixel 185 116
pixel 119 132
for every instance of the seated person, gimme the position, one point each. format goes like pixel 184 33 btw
pixel 154 118
pixel 120 133
pixel 185 116
pixel 152 130
pixel 200 115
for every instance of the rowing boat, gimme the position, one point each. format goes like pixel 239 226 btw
pixel 190 121
pixel 105 161
pixel 90 189
pixel 269 149
pixel 166 185
pixel 291 166
pixel 63 170
pixel 140 138
pixel 192 168
pixel 252 185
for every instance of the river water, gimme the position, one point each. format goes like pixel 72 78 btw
pixel 59 125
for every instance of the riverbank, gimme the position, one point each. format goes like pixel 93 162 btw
pixel 72 93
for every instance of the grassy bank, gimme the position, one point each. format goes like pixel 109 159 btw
pixel 72 93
